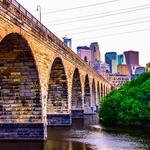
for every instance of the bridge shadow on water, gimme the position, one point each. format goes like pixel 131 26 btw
pixel 86 134
pixel 59 138
pixel 64 138
pixel 22 145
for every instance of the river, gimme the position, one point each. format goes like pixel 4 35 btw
pixel 86 134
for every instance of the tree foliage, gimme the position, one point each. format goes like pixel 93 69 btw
pixel 129 105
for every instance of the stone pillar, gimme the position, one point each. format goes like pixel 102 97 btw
pixel 83 86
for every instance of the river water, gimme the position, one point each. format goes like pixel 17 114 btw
pixel 86 134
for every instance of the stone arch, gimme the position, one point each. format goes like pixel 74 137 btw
pixel 98 93
pixel 20 93
pixel 57 89
pixel 106 90
pixel 93 93
pixel 102 90
pixel 76 103
pixel 87 95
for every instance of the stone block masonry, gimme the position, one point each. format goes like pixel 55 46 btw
pixel 41 80
pixel 22 131
pixel 59 119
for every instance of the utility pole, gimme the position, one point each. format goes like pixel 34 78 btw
pixel 39 10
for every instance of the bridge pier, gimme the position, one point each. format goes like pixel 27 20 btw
pixel 77 113
pixel 59 120
pixel 22 131
pixel 90 110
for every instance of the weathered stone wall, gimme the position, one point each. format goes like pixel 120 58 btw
pixel 57 92
pixel 20 94
pixel 76 100
pixel 26 131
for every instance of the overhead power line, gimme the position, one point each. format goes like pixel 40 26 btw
pixel 105 14
pixel 79 7
pixel 101 25
pixel 111 27
pixel 115 34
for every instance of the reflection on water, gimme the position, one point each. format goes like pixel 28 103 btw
pixel 86 134
pixel 21 145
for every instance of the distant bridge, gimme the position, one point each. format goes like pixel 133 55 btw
pixel 42 81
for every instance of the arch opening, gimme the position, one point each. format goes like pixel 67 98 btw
pixel 87 95
pixel 76 103
pixel 93 94
pixel 20 96
pixel 102 90
pixel 57 91
pixel 98 93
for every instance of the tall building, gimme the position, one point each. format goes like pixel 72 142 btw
pixel 111 58
pixel 85 53
pixel 123 69
pixel 96 56
pixel 67 41
pixel 118 80
pixel 101 67
pixel 93 57
pixel 148 67
pixel 132 59
pixel 137 72
pixel 89 54
pixel 121 59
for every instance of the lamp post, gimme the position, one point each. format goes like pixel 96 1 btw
pixel 39 9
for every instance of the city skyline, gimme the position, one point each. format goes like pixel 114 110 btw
pixel 105 29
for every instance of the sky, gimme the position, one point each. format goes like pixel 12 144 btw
pixel 117 25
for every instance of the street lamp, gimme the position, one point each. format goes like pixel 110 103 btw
pixel 39 9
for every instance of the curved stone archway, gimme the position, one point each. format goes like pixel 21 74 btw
pixel 20 96
pixel 98 94
pixel 76 103
pixel 102 91
pixel 87 95
pixel 57 90
pixel 20 91
pixel 106 90
pixel 93 94
pixel 57 105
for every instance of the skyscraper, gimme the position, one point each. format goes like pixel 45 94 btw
pixel 123 69
pixel 93 57
pixel 96 56
pixel 111 58
pixel 67 41
pixel 85 53
pixel 132 59
pixel 121 59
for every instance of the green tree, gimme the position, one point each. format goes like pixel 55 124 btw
pixel 128 105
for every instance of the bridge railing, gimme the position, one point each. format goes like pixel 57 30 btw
pixel 37 23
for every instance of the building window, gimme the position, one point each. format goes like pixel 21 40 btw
pixel 94 49
pixel 85 59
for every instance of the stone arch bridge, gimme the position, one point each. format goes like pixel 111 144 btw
pixel 42 82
